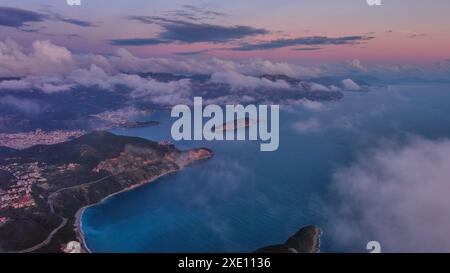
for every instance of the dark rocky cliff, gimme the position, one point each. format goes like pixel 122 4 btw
pixel 306 240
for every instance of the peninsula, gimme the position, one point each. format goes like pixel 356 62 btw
pixel 44 188
pixel 305 240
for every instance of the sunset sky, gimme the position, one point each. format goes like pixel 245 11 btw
pixel 309 31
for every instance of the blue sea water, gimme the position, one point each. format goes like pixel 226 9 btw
pixel 243 199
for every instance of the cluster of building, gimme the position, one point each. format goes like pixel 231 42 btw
pixel 126 161
pixel 18 195
pixel 3 220
pixel 27 139
pixel 165 143
pixel 121 116
pixel 72 247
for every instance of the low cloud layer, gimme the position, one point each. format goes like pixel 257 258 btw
pixel 44 57
pixel 51 68
pixel 397 195
pixel 239 81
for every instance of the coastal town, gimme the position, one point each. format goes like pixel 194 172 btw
pixel 24 176
pixel 25 140
pixel 124 117
pixel 120 116
pixel 29 178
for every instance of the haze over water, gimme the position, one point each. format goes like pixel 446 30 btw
pixel 243 199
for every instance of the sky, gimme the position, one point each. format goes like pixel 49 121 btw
pixel 330 45
pixel 410 32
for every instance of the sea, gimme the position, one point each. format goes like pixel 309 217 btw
pixel 243 199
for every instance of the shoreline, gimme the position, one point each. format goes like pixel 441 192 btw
pixel 78 226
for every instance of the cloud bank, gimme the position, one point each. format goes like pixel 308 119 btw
pixel 44 57
pixel 397 195
pixel 239 81
pixel 51 68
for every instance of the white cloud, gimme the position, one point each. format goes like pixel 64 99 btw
pixel 334 88
pixel 93 76
pixel 349 84
pixel 259 67
pixel 357 66
pixel 319 87
pixel 313 86
pixel 308 104
pixel 47 84
pixel 14 85
pixel 54 88
pixel 165 93
pixel 311 125
pixel 140 87
pixel 398 195
pixel 43 57
pixel 48 52
pixel 312 105
pixel 51 68
pixel 239 81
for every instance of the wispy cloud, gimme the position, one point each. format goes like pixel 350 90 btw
pixel 72 21
pixel 307 48
pixel 190 53
pixel 194 13
pixel 21 18
pixel 73 35
pixel 418 35
pixel 189 32
pixel 308 41
pixel 138 42
pixel 396 194
pixel 14 17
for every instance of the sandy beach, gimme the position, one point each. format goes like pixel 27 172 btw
pixel 78 226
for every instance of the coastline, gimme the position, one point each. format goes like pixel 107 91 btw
pixel 315 248
pixel 78 226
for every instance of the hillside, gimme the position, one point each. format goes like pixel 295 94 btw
pixel 48 184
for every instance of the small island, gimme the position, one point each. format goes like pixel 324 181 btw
pixel 234 125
